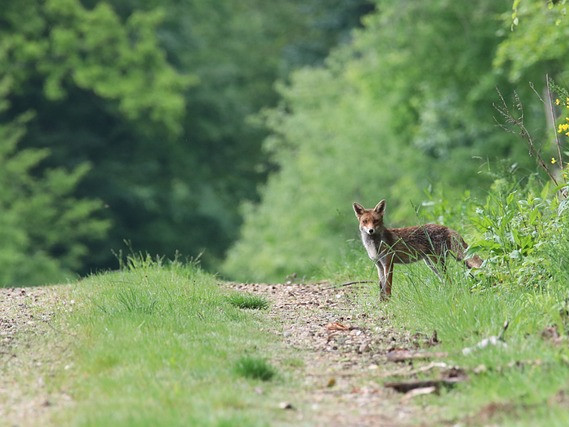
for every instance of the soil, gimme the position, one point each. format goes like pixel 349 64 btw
pixel 344 356
pixel 338 348
pixel 27 355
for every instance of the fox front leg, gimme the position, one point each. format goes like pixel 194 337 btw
pixel 385 272
pixel 388 274
pixel 381 275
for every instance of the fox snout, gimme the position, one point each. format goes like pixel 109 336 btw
pixel 369 231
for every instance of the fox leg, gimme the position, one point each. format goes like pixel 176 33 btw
pixel 385 271
pixel 381 274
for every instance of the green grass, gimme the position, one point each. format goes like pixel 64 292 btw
pixel 255 368
pixel 163 345
pixel 523 383
pixel 248 301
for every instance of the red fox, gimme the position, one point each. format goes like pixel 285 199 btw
pixel 387 246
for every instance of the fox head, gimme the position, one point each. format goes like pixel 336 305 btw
pixel 371 220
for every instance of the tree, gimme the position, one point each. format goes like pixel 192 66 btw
pixel 103 92
pixel 44 229
pixel 158 98
pixel 407 105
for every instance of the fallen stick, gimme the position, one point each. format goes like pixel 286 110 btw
pixel 355 282
pixel 419 392
pixel 412 372
pixel 404 355
pixel 406 386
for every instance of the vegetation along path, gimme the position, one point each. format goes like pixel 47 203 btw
pixel 340 355
pixel 344 352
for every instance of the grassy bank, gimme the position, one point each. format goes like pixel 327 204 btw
pixel 524 378
pixel 162 345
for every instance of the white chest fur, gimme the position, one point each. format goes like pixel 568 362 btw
pixel 372 246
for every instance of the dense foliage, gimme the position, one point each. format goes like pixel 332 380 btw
pixel 408 106
pixel 155 98
pixel 44 229
pixel 185 118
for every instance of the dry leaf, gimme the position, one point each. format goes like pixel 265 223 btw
pixel 336 326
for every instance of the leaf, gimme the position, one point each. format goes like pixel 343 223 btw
pixel 336 326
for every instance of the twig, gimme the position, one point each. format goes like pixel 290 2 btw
pixel 410 373
pixel 406 386
pixel 524 133
pixel 406 355
pixel 550 103
pixel 504 329
pixel 355 282
pixel 536 92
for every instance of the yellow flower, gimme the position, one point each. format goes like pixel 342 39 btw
pixel 553 161
pixel 563 127
pixel 557 101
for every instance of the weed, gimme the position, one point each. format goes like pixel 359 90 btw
pixel 247 301
pixel 133 300
pixel 255 368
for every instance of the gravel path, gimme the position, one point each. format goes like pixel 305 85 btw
pixel 28 355
pixel 339 348
pixel 344 356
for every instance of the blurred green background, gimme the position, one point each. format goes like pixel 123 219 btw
pixel 242 131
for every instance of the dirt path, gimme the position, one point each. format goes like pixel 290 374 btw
pixel 338 348
pixel 343 351
pixel 28 354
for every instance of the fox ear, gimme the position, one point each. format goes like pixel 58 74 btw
pixel 358 209
pixel 380 207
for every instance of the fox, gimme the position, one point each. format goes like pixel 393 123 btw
pixel 388 246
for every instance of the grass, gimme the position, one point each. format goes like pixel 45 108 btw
pixel 247 301
pixel 522 383
pixel 255 368
pixel 161 344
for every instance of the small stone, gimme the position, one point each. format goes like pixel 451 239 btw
pixel 480 369
pixel 286 405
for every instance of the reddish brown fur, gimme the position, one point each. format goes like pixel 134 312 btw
pixel 388 246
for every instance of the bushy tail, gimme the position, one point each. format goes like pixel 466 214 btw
pixel 458 247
